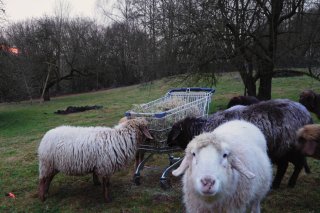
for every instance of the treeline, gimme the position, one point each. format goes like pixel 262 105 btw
pixel 57 56
pixel 150 39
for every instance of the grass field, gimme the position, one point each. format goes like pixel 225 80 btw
pixel 23 124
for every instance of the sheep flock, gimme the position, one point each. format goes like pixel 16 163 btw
pixel 228 157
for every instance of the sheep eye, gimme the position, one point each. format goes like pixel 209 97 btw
pixel 225 155
pixel 194 154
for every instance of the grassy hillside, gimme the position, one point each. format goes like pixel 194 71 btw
pixel 23 124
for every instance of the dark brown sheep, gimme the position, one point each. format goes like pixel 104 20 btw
pixel 309 140
pixel 311 101
pixel 183 131
pixel 242 100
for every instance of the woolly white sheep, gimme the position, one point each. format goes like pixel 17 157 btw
pixel 81 150
pixel 226 170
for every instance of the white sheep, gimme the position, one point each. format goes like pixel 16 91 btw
pixel 81 150
pixel 227 170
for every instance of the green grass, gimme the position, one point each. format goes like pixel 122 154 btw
pixel 23 124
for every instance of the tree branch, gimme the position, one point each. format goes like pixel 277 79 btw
pixel 291 13
pixel 264 8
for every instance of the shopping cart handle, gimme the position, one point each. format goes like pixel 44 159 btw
pixel 128 114
pixel 193 89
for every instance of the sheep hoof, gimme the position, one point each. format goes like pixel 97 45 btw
pixel 307 170
pixel 42 198
pixel 97 183
pixel 136 180
pixel 275 186
pixel 165 184
pixel 107 200
pixel 95 179
pixel 291 185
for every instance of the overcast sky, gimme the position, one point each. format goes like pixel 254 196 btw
pixel 17 10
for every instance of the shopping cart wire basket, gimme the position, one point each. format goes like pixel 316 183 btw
pixel 161 114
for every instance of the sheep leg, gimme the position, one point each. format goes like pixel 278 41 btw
pixel 49 181
pixel 256 207
pixel 281 170
pixel 139 158
pixel 294 176
pixel 306 166
pixel 42 190
pixel 96 180
pixel 105 185
pixel 299 161
pixel 44 184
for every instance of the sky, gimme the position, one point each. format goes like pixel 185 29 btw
pixel 17 10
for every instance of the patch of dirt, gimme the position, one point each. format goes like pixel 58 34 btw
pixel 74 109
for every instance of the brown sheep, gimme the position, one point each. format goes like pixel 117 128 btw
pixel 309 140
pixel 311 101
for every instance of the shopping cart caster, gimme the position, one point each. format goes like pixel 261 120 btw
pixel 136 180
pixel 165 184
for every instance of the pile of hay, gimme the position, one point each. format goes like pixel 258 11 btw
pixel 163 125
pixel 160 107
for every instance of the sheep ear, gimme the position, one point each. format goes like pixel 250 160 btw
pixel 183 166
pixel 146 132
pixel 240 167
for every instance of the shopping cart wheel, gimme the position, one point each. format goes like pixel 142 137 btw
pixel 165 184
pixel 136 180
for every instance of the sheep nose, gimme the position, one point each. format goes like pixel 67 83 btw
pixel 207 181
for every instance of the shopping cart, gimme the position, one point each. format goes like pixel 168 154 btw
pixel 161 115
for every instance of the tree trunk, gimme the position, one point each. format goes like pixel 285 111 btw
pixel 250 87
pixel 246 73
pixel 45 93
pixel 266 65
pixel 265 71
pixel 46 96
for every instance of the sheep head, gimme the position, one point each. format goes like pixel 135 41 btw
pixel 311 101
pixel 178 135
pixel 140 124
pixel 184 130
pixel 307 98
pixel 309 139
pixel 210 163
pixel 242 100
